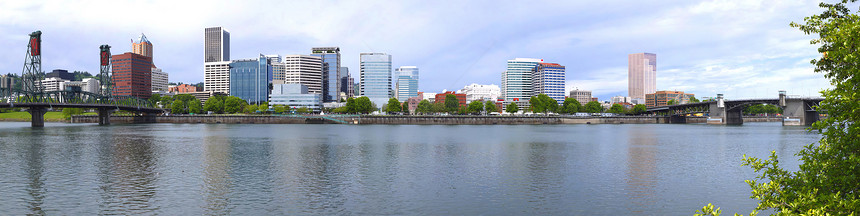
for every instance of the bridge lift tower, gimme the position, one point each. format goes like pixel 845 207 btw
pixel 32 75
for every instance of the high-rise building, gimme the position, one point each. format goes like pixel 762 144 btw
pixel 300 69
pixel 477 92
pixel 132 75
pixel 332 74
pixel 7 83
pixel 142 46
pixel 216 45
pixel 159 80
pixel 641 74
pixel 216 77
pixel 375 77
pixel 517 81
pixel 346 83
pixel 583 96
pixel 250 78
pixel 548 79
pixel 407 82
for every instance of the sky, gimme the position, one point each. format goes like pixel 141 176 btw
pixel 739 48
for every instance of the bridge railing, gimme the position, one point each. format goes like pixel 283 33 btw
pixel 75 97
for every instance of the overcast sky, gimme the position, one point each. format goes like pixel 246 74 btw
pixel 741 48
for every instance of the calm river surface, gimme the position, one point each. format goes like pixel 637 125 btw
pixel 193 169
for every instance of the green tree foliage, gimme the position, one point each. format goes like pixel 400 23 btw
pixel 405 107
pixel 616 108
pixel 249 109
pixel 303 110
pixel 350 105
pixel 184 97
pixel 543 104
pixel 279 109
pixel 762 109
pixel 178 107
pixel 393 106
pixel 570 106
pixel 593 107
pixel 438 107
pixel 512 108
pixel 233 104
pixel 671 102
pixel 166 101
pixel 68 112
pixel 194 106
pixel 424 107
pixel 154 99
pixel 828 180
pixel 639 109
pixel 490 107
pixel 364 105
pixel 475 107
pixel 263 107
pixel 693 99
pixel 452 104
pixel 214 104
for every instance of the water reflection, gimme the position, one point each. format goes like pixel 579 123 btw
pixel 641 168
pixel 35 188
pixel 217 156
pixel 128 177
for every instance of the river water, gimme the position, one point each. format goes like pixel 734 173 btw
pixel 193 169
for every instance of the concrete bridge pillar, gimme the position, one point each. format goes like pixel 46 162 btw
pixel 678 119
pixel 796 113
pixel 104 116
pixel 37 116
pixel 734 117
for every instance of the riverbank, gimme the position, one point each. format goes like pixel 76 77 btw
pixel 396 120
pixel 25 117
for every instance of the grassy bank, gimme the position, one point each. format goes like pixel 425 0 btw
pixel 25 116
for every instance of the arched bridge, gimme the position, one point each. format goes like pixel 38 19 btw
pixel 796 110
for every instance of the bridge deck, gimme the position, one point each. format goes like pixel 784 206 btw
pixel 87 106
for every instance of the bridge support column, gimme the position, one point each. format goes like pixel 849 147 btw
pixel 798 113
pixel 37 116
pixel 144 118
pixel 678 119
pixel 735 117
pixel 104 116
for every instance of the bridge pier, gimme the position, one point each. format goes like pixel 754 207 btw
pixel 734 117
pixel 104 116
pixel 37 116
pixel 678 119
pixel 798 113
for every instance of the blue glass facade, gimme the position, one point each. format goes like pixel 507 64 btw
pixel 331 72
pixel 548 79
pixel 375 80
pixel 407 82
pixel 250 78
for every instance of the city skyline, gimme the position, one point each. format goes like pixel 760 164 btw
pixel 702 48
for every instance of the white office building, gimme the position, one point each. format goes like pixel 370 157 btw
pixel 53 84
pixel 159 80
pixel 295 96
pixel 517 81
pixel 216 77
pixel 299 69
pixel 375 77
pixel 476 92
pixel 621 99
pixel 583 96
pixel 407 82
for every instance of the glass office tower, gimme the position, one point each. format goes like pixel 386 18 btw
pixel 332 73
pixel 407 82
pixel 375 80
pixel 250 78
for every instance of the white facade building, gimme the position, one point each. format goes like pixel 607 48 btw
pixel 299 69
pixel 159 80
pixel 53 84
pixel 429 97
pixel 517 81
pixel 621 99
pixel 476 92
pixel 216 77
pixel 582 96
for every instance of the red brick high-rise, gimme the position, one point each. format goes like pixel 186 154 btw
pixel 132 75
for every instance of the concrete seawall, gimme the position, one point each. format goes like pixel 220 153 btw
pixel 404 120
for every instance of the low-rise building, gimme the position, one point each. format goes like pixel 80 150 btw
pixel 620 99
pixel 475 92
pixel 662 98
pixel 428 96
pixel 440 98
pixel 180 89
pixel 53 83
pixel 583 96
pixel 295 96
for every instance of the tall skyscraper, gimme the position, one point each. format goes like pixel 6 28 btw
pixel 407 82
pixel 300 69
pixel 142 46
pixel 249 79
pixel 641 75
pixel 332 73
pixel 132 75
pixel 346 83
pixel 517 81
pixel 375 78
pixel 216 60
pixel 216 46
pixel 548 79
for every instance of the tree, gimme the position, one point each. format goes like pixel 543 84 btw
pixel 405 107
pixel 475 107
pixel 593 107
pixel 536 105
pixel 639 109
pixel 671 102
pixel 303 110
pixel 184 97
pixel 424 107
pixel 233 104
pixel 263 107
pixel 154 99
pixel 248 109
pixel 281 108
pixel 194 106
pixel 693 99
pixel 438 107
pixel 512 108
pixel 214 104
pixel 178 107
pixel 68 112
pixel 827 181
pixel 452 103
pixel 364 105
pixel 570 106
pixel 393 106
pixel 616 108
pixel 551 104
pixel 350 105
pixel 166 101
pixel 490 107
